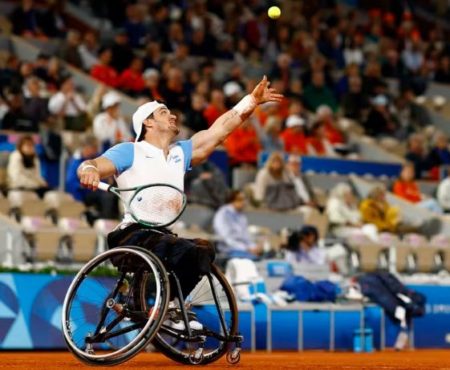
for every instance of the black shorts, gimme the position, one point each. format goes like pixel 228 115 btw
pixel 189 259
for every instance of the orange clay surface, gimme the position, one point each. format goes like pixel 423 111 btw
pixel 419 359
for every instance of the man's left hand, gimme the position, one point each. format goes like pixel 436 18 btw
pixel 262 93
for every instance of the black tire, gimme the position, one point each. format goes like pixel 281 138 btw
pixel 161 341
pixel 127 266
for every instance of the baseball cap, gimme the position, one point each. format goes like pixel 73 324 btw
pixel 294 120
pixel 380 100
pixel 231 88
pixel 142 113
pixel 109 99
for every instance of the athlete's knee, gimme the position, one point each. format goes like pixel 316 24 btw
pixel 205 255
pixel 206 247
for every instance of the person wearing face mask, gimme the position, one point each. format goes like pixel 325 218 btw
pixel 24 170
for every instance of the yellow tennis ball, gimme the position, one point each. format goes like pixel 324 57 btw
pixel 274 12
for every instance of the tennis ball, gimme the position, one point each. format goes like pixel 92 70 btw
pixel 274 12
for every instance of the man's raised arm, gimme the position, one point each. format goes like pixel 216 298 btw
pixel 204 142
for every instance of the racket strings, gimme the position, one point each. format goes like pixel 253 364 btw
pixel 158 205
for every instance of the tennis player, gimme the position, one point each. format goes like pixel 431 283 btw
pixel 152 158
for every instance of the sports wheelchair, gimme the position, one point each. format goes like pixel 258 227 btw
pixel 117 305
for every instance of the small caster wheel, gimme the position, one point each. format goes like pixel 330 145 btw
pixel 196 357
pixel 234 356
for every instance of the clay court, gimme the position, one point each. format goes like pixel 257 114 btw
pixel 427 359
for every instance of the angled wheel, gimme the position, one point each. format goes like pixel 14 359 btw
pixel 104 320
pixel 213 302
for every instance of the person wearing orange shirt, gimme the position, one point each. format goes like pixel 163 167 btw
pixel 103 71
pixel 318 143
pixel 243 145
pixel 406 187
pixel 294 136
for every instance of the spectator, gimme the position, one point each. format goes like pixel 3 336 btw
pixel 318 93
pixel 151 82
pixel 293 136
pixel 109 126
pixel 53 19
pixel 405 187
pixel 25 20
pixel 207 185
pixel 417 155
pixel 88 51
pixel 439 155
pixel 216 106
pixel 181 59
pixel 122 52
pixel 392 66
pixel 231 228
pixel 35 106
pixel 443 71
pixel 102 71
pixel 293 166
pixel 333 134
pixel 342 211
pixel 372 79
pixel 269 135
pixel 70 51
pixel 69 106
pixel 131 80
pixel 174 91
pixel 104 204
pixel 377 211
pixel 153 57
pixel 274 187
pixel 134 26
pixel 318 143
pixel 282 71
pixel 302 247
pixel 24 170
pixel 412 56
pixel 16 118
pixel 195 118
pixel 443 194
pixel 353 52
pixel 243 145
pixel 380 122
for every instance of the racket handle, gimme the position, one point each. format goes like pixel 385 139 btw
pixel 103 186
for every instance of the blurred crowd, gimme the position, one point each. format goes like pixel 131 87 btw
pixel 328 60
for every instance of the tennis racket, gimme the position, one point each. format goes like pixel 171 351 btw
pixel 153 205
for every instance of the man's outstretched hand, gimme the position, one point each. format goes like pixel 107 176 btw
pixel 262 93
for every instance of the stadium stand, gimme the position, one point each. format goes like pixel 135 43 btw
pixel 379 83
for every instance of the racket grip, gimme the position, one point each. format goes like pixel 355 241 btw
pixel 103 186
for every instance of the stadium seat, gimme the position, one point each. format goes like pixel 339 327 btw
pixel 370 254
pixel 26 203
pixel 405 259
pixel 63 205
pixel 82 238
pixel 45 239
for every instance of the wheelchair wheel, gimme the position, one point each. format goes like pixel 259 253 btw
pixel 103 318
pixel 220 323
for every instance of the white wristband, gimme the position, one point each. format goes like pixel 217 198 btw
pixel 88 166
pixel 246 105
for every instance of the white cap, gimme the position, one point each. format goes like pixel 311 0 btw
pixel 231 88
pixel 380 100
pixel 150 72
pixel 323 110
pixel 109 99
pixel 294 120
pixel 142 113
